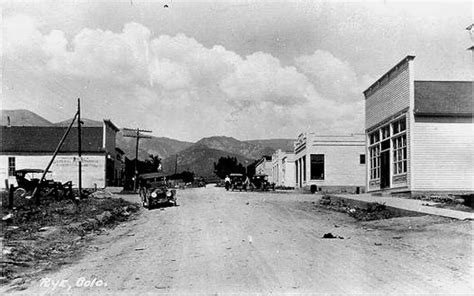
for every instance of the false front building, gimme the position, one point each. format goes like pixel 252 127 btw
pixel 419 134
pixel 330 163
pixel 31 147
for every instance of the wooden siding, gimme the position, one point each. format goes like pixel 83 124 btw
pixel 389 99
pixel 443 156
pixel 64 168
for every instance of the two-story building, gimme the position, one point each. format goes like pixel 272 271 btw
pixel 420 134
pixel 330 163
pixel 283 168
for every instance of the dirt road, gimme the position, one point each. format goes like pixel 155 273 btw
pixel 233 242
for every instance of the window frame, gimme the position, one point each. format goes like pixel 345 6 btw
pixel 314 161
pixel 11 167
pixel 399 155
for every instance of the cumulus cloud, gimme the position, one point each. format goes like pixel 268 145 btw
pixel 178 86
pixel 333 77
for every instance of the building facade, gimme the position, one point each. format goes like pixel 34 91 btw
pixel 419 134
pixel 330 163
pixel 283 168
pixel 32 147
pixel 264 167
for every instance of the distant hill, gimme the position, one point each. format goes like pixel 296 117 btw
pixel 21 117
pixel 283 144
pixel 200 159
pixel 229 144
pixel 163 147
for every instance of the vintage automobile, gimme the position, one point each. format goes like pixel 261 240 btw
pixel 236 181
pixel 200 182
pixel 27 180
pixel 154 191
pixel 260 182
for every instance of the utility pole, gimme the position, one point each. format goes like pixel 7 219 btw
pixel 138 135
pixel 35 194
pixel 79 145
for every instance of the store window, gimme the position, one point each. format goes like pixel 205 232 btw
pixel 374 154
pixel 399 126
pixel 317 166
pixel 296 167
pixel 374 137
pixel 386 132
pixel 400 155
pixel 304 168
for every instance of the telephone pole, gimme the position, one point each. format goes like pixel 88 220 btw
pixel 138 135
pixel 79 146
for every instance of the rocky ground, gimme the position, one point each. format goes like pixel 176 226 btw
pixel 39 239
pixel 237 242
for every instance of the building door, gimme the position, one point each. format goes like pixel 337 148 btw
pixel 385 169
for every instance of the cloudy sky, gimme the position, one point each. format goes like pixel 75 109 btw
pixel 244 69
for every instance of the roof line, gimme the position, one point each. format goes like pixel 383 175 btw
pixel 113 126
pixel 394 68
pixel 444 81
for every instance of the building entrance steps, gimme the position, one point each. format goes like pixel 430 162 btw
pixel 414 205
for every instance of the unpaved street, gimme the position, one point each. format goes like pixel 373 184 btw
pixel 233 242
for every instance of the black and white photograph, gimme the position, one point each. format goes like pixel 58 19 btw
pixel 236 147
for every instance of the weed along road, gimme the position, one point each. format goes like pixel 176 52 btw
pixel 237 242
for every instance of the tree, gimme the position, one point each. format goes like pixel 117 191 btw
pixel 228 165
pixel 153 163
pixel 186 176
pixel 251 168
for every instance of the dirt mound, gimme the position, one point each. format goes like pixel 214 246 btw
pixel 44 237
pixel 373 211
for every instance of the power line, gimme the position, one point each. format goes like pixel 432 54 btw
pixel 138 135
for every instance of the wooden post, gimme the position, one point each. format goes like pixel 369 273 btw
pixel 79 147
pixel 137 134
pixel 136 162
pixel 10 196
pixel 35 194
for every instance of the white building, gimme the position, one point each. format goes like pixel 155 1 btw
pixel 330 163
pixel 32 147
pixel 264 167
pixel 283 168
pixel 420 134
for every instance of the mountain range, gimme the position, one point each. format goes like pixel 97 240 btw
pixel 176 155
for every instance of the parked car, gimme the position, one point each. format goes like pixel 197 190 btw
pixel 260 182
pixel 236 181
pixel 28 179
pixel 200 182
pixel 154 191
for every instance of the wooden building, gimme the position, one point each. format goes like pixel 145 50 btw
pixel 420 135
pixel 31 147
pixel 330 163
